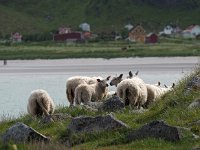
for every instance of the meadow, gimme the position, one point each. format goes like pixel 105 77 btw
pixel 101 49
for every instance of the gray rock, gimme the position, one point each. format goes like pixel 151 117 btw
pixel 155 129
pixel 95 124
pixel 23 133
pixel 112 104
pixel 194 104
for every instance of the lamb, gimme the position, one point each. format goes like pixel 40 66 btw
pixel 73 82
pixel 86 93
pixel 40 103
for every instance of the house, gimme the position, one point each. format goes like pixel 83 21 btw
pixel 85 26
pixel 191 32
pixel 87 34
pixel 72 37
pixel 137 34
pixel 151 38
pixel 63 30
pixel 168 30
pixel 16 37
pixel 128 26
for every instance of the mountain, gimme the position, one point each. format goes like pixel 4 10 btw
pixel 32 16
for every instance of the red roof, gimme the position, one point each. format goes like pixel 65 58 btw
pixel 75 36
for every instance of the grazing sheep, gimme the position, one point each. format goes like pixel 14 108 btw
pixel 73 82
pixel 40 103
pixel 86 93
pixel 133 92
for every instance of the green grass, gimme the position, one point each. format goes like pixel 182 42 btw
pixel 112 49
pixel 171 107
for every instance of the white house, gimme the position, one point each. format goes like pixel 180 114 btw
pixel 85 26
pixel 128 26
pixel 168 30
pixel 191 32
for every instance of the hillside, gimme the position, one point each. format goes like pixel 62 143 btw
pixel 47 15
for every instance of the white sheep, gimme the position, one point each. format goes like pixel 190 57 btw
pixel 73 82
pixel 133 92
pixel 87 93
pixel 40 103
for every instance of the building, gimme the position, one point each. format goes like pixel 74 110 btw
pixel 63 30
pixel 69 37
pixel 85 26
pixel 191 32
pixel 16 37
pixel 137 34
pixel 151 38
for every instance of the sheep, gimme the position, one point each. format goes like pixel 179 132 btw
pixel 40 103
pixel 86 93
pixel 73 82
pixel 133 92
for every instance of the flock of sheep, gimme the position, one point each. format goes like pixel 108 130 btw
pixel 87 90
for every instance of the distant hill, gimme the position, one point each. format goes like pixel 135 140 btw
pixel 33 16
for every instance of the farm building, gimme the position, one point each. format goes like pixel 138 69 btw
pixel 137 34
pixel 151 38
pixel 16 37
pixel 191 32
pixel 85 26
pixel 128 27
pixel 73 37
pixel 63 30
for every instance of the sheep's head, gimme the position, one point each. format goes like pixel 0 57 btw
pixel 116 80
pixel 102 83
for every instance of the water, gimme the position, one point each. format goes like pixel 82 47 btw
pixel 19 78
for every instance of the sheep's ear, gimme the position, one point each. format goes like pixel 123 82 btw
pixel 173 85
pixel 159 83
pixel 136 73
pixel 98 80
pixel 130 74
pixel 108 78
pixel 165 86
pixel 121 75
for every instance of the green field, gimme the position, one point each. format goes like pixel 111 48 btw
pixel 112 49
pixel 171 107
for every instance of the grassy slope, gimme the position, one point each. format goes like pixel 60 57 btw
pixel 172 108
pixel 12 21
pixel 102 15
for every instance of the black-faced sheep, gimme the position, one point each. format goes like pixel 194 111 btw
pixel 73 82
pixel 40 103
pixel 86 93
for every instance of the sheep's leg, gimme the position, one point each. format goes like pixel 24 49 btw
pixel 41 104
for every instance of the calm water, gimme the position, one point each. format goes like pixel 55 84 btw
pixel 15 90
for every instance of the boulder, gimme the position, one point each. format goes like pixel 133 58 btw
pixel 23 133
pixel 195 104
pixel 112 104
pixel 155 129
pixel 95 124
